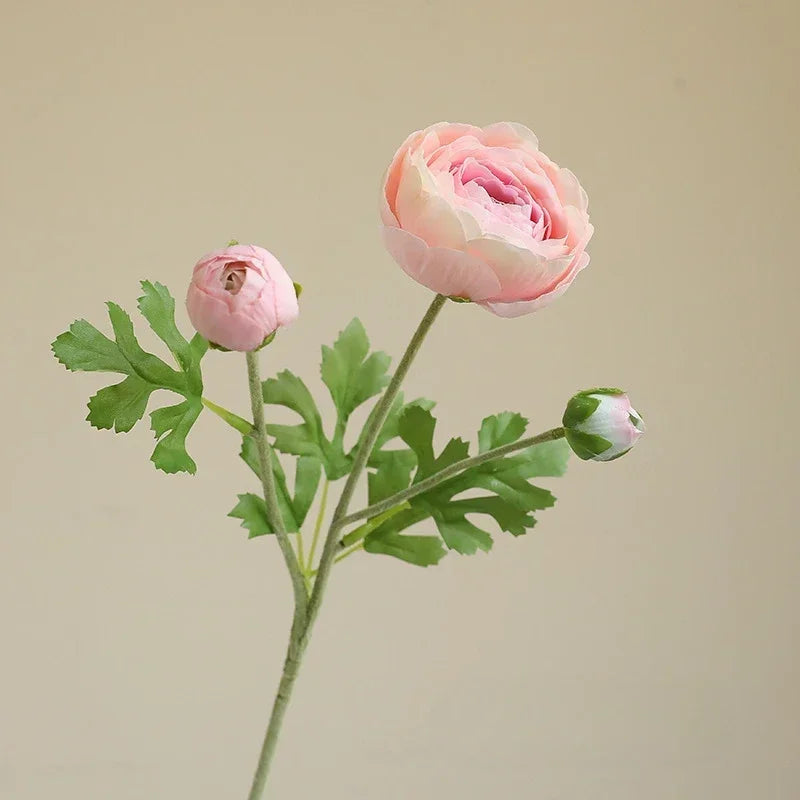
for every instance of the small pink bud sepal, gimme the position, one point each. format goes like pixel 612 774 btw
pixel 601 425
pixel 240 296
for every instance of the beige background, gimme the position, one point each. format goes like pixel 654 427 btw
pixel 643 642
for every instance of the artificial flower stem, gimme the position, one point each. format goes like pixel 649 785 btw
pixel 353 549
pixel 302 623
pixel 299 620
pixel 268 480
pixel 370 525
pixel 234 420
pixel 301 558
pixel 323 503
pixel 370 434
pixel 387 505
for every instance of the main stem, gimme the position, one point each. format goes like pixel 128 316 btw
pixel 307 608
pixel 296 645
pixel 371 431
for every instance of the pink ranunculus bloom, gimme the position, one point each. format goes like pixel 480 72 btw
pixel 482 214
pixel 240 295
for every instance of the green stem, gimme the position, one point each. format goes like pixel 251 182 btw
pixel 354 549
pixel 348 552
pixel 299 621
pixel 318 524
pixel 304 619
pixel 362 531
pixel 301 555
pixel 234 420
pixel 374 425
pixel 388 505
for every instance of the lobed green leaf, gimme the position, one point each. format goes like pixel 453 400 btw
pixel 171 425
pixel 120 406
pixel 423 551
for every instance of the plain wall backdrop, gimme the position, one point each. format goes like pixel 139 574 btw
pixel 642 642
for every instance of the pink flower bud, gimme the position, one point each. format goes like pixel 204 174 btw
pixel 601 425
pixel 239 296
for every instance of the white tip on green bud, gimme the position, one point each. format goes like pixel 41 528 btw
pixel 600 424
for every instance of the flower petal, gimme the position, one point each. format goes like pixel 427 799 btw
pixel 449 272
pixel 521 307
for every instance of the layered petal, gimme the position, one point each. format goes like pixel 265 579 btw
pixel 483 214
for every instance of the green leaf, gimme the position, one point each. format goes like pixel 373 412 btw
pixel 416 427
pixel 157 306
pixel 511 499
pixel 253 513
pixel 120 406
pixel 508 516
pixel 392 476
pixel 511 487
pixel 171 426
pixel 500 429
pixel 423 551
pixel 147 366
pixel 199 347
pixel 249 454
pixel 306 480
pixel 390 428
pixel 306 439
pixel 461 535
pixel 84 348
pixel 351 375
pixel 545 460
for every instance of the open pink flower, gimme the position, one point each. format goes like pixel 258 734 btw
pixel 240 295
pixel 482 214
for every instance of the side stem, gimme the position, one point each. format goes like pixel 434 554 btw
pixel 425 485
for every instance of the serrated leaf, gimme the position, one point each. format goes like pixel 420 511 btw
pixel 287 390
pixel 392 476
pixel 389 429
pixel 120 406
pixel 157 306
pixel 545 460
pixel 416 427
pixel 500 429
pixel 171 426
pixel 253 513
pixel 84 348
pixel 508 516
pixel 351 375
pixel 461 535
pixel 512 488
pixel 423 551
pixel 512 497
pixel 455 450
pixel 147 366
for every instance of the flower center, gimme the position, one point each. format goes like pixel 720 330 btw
pixel 233 277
